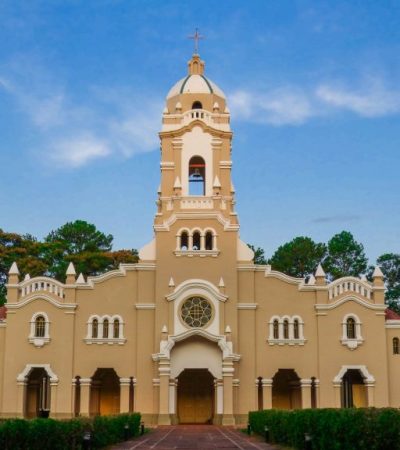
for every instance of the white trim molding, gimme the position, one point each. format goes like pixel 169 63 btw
pixel 110 339
pixel 197 287
pixel 39 341
pixel 351 343
pixel 290 338
pixel 368 378
pixel 350 298
pixel 23 376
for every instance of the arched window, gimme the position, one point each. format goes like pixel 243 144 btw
pixel 184 241
pixel 276 329
pixel 396 349
pixel 40 326
pixel 196 240
pixel 296 331
pixel 116 329
pixel 197 105
pixel 209 240
pixel 285 329
pixel 105 328
pixel 197 176
pixel 95 328
pixel 350 328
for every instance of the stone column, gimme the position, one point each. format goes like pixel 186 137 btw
pixel 370 387
pixel 21 396
pixel 53 398
pixel 227 374
pixel 317 395
pixel 163 413
pixel 85 396
pixel 124 386
pixel 305 393
pixel 337 386
pixel 267 392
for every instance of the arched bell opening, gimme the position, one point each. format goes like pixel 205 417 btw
pixel 104 393
pixel 286 390
pixel 37 401
pixel 197 105
pixel 196 396
pixel 353 391
pixel 197 176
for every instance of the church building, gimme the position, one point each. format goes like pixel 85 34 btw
pixel 195 332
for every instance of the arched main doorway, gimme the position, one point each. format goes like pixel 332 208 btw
pixel 195 396
pixel 37 392
pixel 354 393
pixel 104 393
pixel 286 390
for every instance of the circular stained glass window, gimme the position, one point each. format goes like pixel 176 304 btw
pixel 196 312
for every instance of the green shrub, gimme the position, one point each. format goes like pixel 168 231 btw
pixel 50 434
pixel 332 429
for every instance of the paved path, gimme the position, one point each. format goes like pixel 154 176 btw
pixel 202 437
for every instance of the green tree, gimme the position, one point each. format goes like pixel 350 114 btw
pixel 299 257
pixel 345 257
pixel 259 254
pixel 390 266
pixel 26 250
pixel 82 244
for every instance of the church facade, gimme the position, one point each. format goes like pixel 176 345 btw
pixel 195 332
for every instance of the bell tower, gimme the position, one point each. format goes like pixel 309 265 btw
pixel 196 153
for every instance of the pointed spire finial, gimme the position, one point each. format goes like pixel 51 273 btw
pixel 320 271
pixel 377 273
pixel 171 283
pixel 70 269
pixel 81 279
pixel 13 269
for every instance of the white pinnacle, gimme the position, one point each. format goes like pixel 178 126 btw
pixel 221 283
pixel 81 279
pixel 377 273
pixel 13 269
pixel 171 282
pixel 177 184
pixel 71 269
pixel 320 271
pixel 217 183
pixel 27 277
pixel 311 280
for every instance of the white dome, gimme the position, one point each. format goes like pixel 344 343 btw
pixel 195 84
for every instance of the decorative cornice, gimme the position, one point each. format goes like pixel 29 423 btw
pixel 145 306
pixel 349 298
pixel 197 284
pixel 247 306
pixel 31 298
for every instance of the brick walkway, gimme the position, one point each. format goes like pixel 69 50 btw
pixel 202 437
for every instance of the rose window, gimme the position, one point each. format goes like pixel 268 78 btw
pixel 196 312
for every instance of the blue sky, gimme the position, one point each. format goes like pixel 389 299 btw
pixel 313 89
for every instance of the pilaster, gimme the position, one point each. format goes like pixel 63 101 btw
pixel 306 393
pixel 85 396
pixel 267 392
pixel 124 386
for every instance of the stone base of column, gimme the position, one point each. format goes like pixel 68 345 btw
pixel 164 419
pixel 228 419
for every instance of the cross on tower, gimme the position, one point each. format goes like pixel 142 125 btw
pixel 196 37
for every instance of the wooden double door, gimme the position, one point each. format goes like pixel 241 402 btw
pixel 195 396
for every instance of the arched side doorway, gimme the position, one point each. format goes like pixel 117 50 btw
pixel 37 393
pixel 196 396
pixel 104 393
pixel 353 392
pixel 286 390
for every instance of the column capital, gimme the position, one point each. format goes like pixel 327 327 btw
pixel 85 381
pixel 306 382
pixel 267 381
pixel 124 381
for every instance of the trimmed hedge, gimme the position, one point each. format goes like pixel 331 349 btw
pixel 332 429
pixel 50 434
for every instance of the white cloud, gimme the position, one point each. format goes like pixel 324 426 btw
pixel 283 106
pixel 294 106
pixel 78 151
pixel 104 123
pixel 374 100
